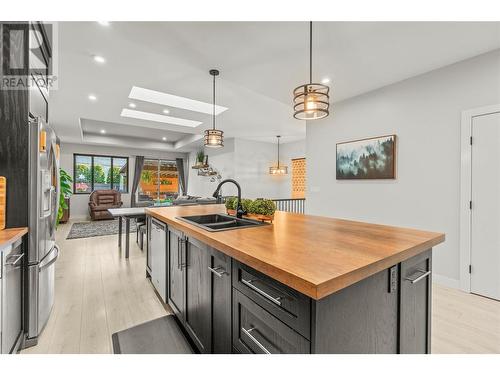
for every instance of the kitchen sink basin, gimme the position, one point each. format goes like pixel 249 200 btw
pixel 220 222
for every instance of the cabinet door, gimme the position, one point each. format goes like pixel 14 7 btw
pixel 176 286
pixel 220 269
pixel 198 294
pixel 415 304
pixel 159 259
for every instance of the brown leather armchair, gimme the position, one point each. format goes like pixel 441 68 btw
pixel 101 201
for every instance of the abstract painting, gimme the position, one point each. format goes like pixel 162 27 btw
pixel 364 159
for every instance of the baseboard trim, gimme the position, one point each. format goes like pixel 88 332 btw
pixel 446 281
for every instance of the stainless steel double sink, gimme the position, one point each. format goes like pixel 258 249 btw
pixel 220 222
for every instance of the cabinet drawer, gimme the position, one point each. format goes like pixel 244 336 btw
pixel 287 304
pixel 257 331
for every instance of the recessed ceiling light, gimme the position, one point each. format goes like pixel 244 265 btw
pixel 164 138
pixel 170 100
pixel 103 23
pixel 103 131
pixel 159 118
pixel 132 105
pixel 99 59
pixel 92 97
pixel 166 111
pixel 325 80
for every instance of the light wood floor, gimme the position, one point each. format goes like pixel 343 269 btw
pixel 98 292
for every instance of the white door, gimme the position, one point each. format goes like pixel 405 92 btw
pixel 485 227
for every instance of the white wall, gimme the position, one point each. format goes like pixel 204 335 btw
pixel 79 202
pixel 248 163
pixel 424 112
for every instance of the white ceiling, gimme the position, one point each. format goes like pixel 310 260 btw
pixel 260 64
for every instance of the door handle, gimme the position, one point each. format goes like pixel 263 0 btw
pixel 52 261
pixel 248 333
pixel 18 258
pixel 417 276
pixel 249 283
pixel 216 271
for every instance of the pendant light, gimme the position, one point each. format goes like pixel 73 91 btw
pixel 213 137
pixel 278 169
pixel 311 101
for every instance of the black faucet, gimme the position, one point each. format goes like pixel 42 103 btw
pixel 239 208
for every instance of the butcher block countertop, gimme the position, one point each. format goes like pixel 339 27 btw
pixel 314 255
pixel 9 236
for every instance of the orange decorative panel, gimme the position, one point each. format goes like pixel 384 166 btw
pixel 299 178
pixel 3 197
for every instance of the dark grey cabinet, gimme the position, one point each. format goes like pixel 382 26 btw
pixel 415 304
pixel 198 294
pixel 255 330
pixel 220 273
pixel 176 275
pixel 199 291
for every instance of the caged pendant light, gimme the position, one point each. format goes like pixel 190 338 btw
pixel 311 101
pixel 278 169
pixel 213 137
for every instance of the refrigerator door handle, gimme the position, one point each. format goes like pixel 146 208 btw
pixel 52 261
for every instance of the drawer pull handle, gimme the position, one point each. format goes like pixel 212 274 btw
pixel 218 271
pixel 18 258
pixel 249 283
pixel 414 278
pixel 247 332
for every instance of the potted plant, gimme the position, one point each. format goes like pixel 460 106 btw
pixel 200 160
pixel 259 209
pixel 65 181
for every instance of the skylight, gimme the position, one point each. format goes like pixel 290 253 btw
pixel 158 118
pixel 170 100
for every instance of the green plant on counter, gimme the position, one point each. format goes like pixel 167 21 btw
pixel 259 206
pixel 263 207
pixel 65 181
pixel 231 203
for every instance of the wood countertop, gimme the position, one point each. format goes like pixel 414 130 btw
pixel 9 236
pixel 314 255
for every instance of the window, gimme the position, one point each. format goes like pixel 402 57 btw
pixel 95 172
pixel 159 181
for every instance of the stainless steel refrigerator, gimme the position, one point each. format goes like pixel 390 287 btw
pixel 43 207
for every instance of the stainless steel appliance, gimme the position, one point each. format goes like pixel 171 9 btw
pixel 43 207
pixel 11 281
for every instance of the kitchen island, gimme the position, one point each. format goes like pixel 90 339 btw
pixel 304 284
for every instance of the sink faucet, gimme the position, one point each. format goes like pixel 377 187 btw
pixel 239 208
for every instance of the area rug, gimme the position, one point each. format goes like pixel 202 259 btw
pixel 159 336
pixel 97 228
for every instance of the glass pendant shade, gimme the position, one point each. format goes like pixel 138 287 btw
pixel 214 138
pixel 311 101
pixel 278 170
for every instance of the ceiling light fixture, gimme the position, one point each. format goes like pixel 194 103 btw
pixel 214 137
pixel 132 105
pixel 103 131
pixel 325 80
pixel 92 97
pixel 166 111
pixel 164 138
pixel 148 116
pixel 311 101
pixel 173 101
pixel 99 59
pixel 278 169
pixel 103 23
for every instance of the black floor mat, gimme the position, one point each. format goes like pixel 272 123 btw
pixel 159 336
